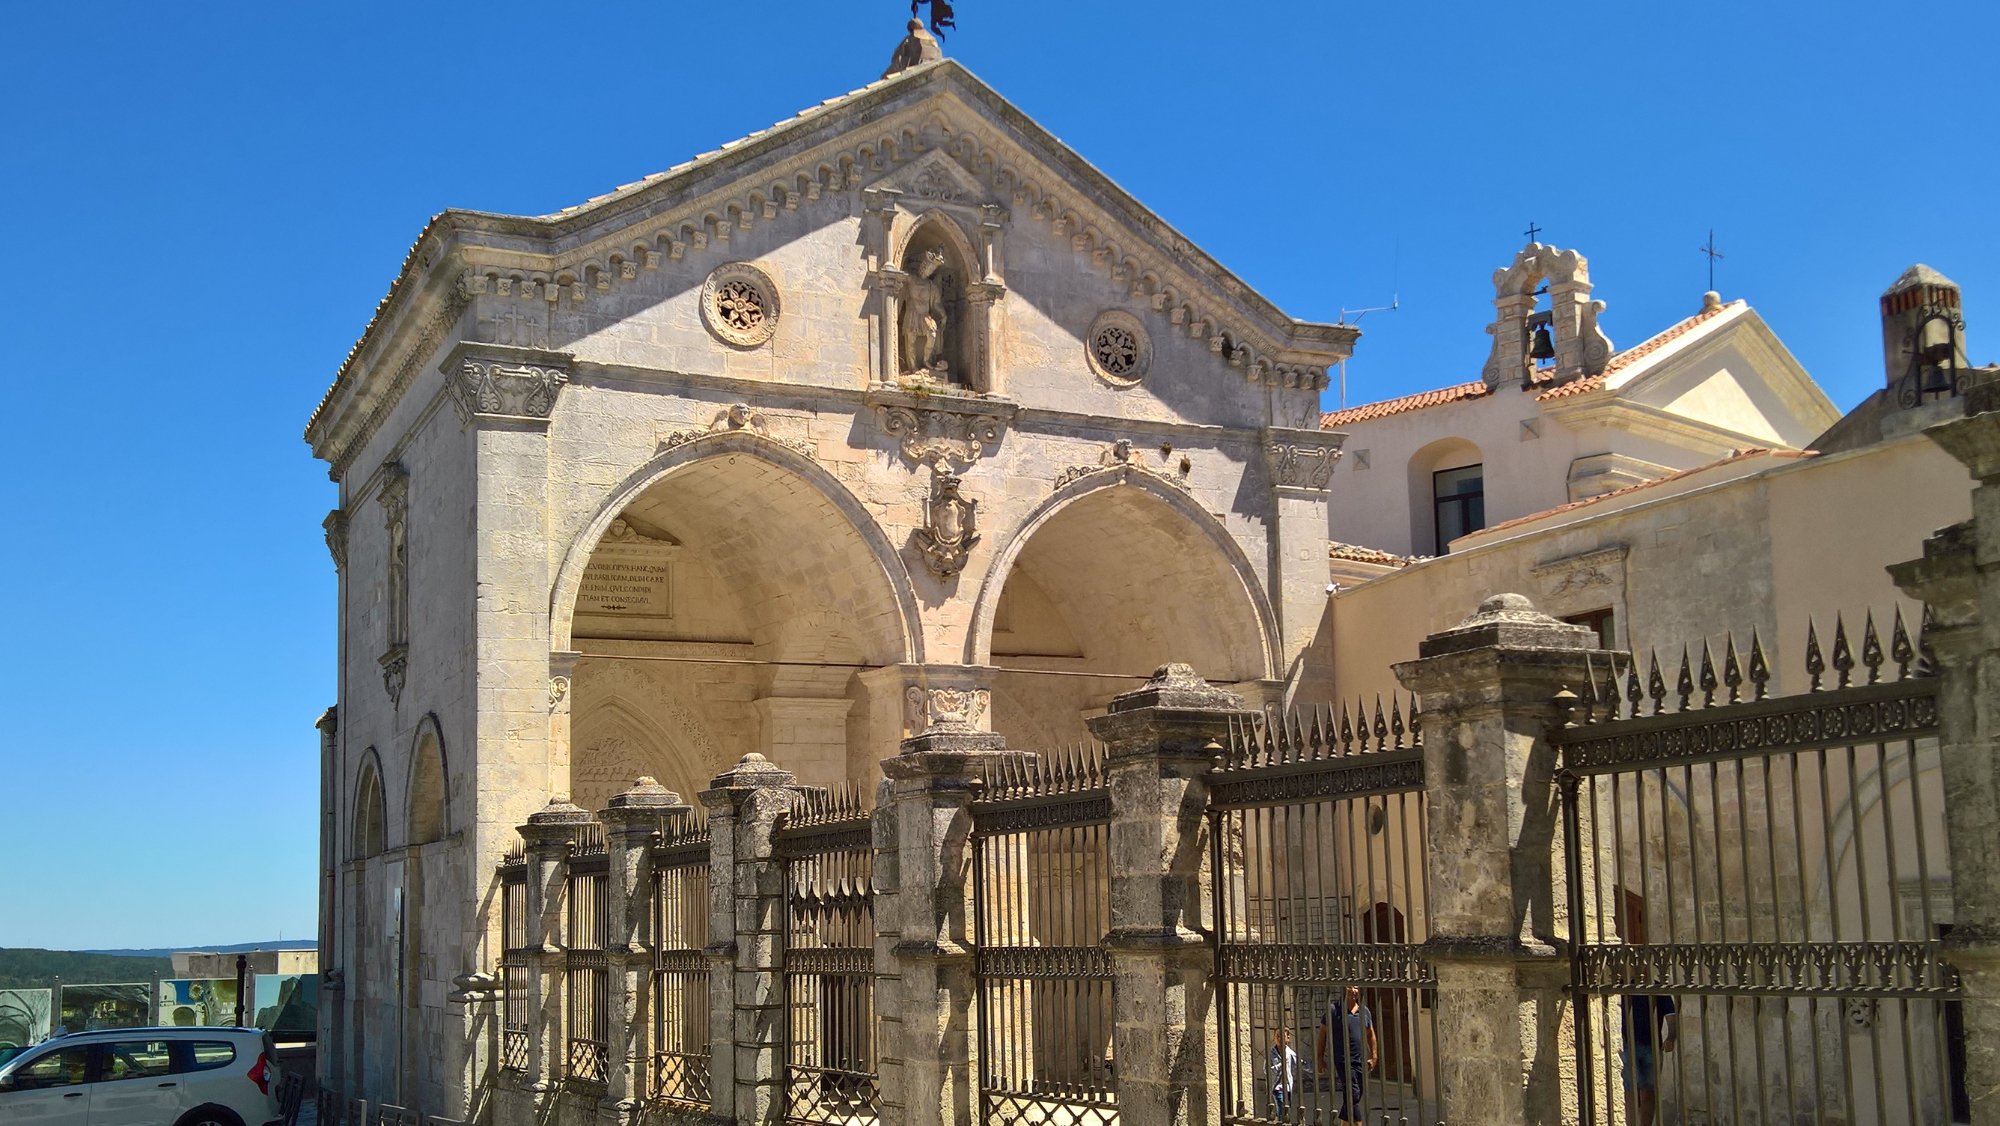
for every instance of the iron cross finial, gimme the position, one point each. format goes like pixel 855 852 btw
pixel 1532 230
pixel 1709 249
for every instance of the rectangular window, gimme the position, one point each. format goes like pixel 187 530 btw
pixel 1600 623
pixel 1458 497
pixel 65 1067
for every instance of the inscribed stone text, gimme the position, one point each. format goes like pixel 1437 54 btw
pixel 619 587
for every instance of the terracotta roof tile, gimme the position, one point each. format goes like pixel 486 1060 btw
pixel 1418 401
pixel 1355 553
pixel 1739 455
pixel 1637 352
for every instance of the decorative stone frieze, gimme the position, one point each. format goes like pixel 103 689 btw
pixel 947 536
pixel 739 304
pixel 1301 459
pixel 1117 348
pixel 1576 574
pixel 941 430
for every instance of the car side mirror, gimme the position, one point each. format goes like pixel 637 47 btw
pixel 6 1083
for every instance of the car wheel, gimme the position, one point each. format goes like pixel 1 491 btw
pixel 210 1116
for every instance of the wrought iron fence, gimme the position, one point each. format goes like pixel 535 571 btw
pixel 680 1032
pixel 1761 888
pixel 1324 997
pixel 1042 912
pixel 514 962
pixel 587 971
pixel 827 848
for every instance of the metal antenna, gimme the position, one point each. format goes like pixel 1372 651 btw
pixel 1708 248
pixel 1395 302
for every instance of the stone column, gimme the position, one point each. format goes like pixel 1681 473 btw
pixel 1959 580
pixel 1300 464
pixel 632 821
pixel 1498 904
pixel 747 887
pixel 1162 738
pixel 926 1057
pixel 549 834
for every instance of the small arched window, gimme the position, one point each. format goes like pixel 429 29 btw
pixel 1447 494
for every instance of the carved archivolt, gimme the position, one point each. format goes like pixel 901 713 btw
pixel 738 418
pixel 739 304
pixel 1121 456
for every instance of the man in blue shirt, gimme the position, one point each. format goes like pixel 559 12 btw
pixel 1644 1014
pixel 1351 1028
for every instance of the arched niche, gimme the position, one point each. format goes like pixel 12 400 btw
pixel 427 817
pixel 369 833
pixel 941 278
pixel 615 741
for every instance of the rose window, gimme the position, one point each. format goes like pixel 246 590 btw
pixel 1117 350
pixel 740 306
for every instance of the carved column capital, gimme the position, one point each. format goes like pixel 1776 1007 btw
pixel 1301 459
pixel 493 381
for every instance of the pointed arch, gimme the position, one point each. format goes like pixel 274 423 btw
pixel 597 770
pixel 368 834
pixel 427 813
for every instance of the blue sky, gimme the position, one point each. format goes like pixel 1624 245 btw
pixel 208 200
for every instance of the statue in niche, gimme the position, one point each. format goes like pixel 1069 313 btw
pixel 948 535
pixel 927 328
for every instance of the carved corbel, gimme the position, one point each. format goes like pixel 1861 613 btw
pixel 335 525
pixel 395 671
pixel 941 429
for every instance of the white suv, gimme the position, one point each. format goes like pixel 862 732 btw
pixel 143 1077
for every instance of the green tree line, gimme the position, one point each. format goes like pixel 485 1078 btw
pixel 25 968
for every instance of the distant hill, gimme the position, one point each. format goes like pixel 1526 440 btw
pixel 237 948
pixel 22 968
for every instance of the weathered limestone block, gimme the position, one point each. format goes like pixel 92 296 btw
pixel 1497 894
pixel 1161 740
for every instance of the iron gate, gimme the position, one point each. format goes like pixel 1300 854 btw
pixel 1762 887
pixel 1317 831
pixel 680 1031
pixel 827 848
pixel 587 966
pixel 1041 913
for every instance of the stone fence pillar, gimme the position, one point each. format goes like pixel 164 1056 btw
pixel 1498 903
pixel 549 835
pixel 747 917
pixel 1959 580
pixel 1162 738
pixel 929 1006
pixel 632 821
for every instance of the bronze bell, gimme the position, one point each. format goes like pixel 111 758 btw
pixel 1544 347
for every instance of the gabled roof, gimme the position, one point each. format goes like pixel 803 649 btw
pixel 1618 366
pixel 751 179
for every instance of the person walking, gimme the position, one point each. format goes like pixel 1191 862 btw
pixel 1351 1029
pixel 1284 1073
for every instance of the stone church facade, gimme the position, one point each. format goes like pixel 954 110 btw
pixel 894 417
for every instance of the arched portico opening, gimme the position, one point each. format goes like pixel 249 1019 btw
pixel 724 600
pixel 1115 575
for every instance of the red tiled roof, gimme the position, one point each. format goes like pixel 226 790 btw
pixel 1738 455
pixel 1370 411
pixel 1636 353
pixel 1355 553
pixel 1387 407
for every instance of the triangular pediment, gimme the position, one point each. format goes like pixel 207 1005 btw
pixel 935 179
pixel 935 135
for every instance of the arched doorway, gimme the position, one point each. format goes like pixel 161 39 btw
pixel 1099 587
pixel 726 600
